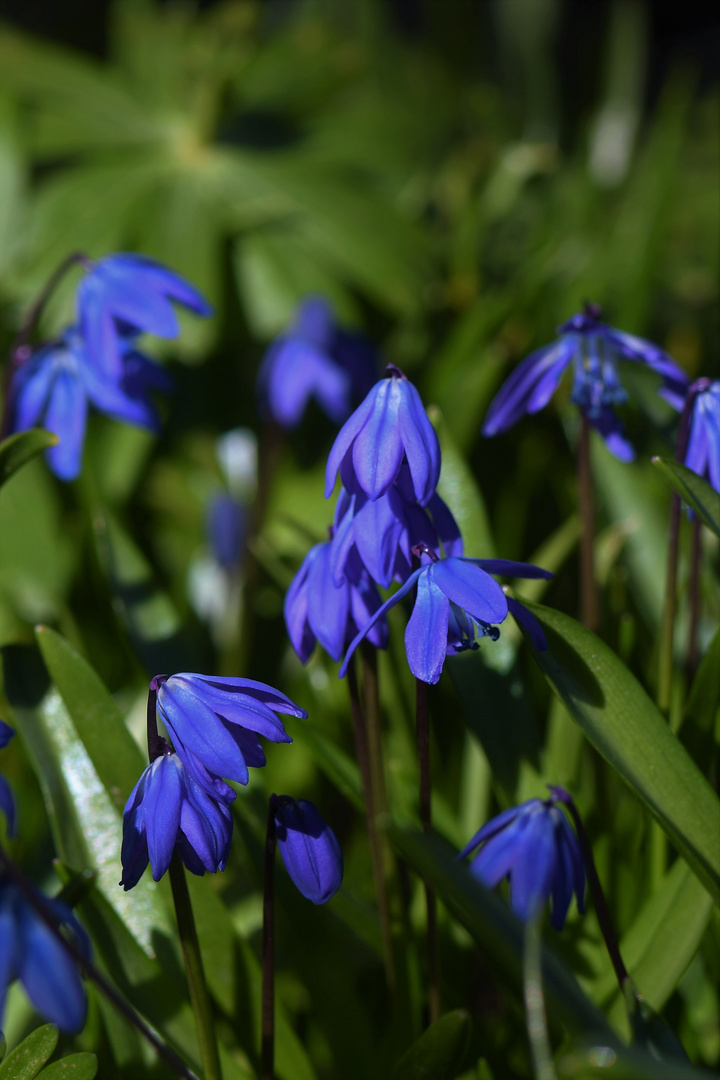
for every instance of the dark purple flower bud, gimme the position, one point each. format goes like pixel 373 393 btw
pixel 215 721
pixel 703 449
pixel 316 609
pixel 594 349
pixel 315 359
pixel 391 426
pixel 226 524
pixel 168 809
pixel 536 848
pixel 32 953
pixel 128 294
pixel 309 848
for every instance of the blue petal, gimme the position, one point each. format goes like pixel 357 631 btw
pixel 394 599
pixel 161 810
pixel 49 974
pixel 562 886
pixel 420 440
pixel 612 431
pixel 238 689
pixel 497 858
pixel 7 805
pixel 9 941
pixel 31 388
pixel 446 527
pixel 66 416
pixel 426 633
pixel 377 451
pixel 508 568
pixel 233 706
pixel 196 730
pixel 346 436
pixel 309 849
pixel 528 622
pixel 534 867
pixel 529 386
pixel 471 589
pixel 295 610
pixel 490 828
pixel 6 734
pixel 328 605
pixel 376 530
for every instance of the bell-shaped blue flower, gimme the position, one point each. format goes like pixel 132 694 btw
pixel 315 359
pixel 214 723
pixel 130 293
pixel 384 531
pixel 534 846
pixel 390 427
pixel 703 448
pixel 309 848
pixel 169 809
pixel 32 953
pixel 318 609
pixel 594 349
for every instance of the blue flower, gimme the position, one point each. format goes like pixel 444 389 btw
pixel 54 387
pixel 169 809
pixel 391 426
pixel 317 609
pixel 594 349
pixel 315 358
pixel 383 531
pixel 534 845
pixel 309 848
pixel 214 723
pixel 130 293
pixel 6 734
pixel 32 953
pixel 226 524
pixel 703 450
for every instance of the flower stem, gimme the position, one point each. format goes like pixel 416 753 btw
pixel 423 743
pixel 601 908
pixel 695 560
pixel 371 697
pixel 543 1068
pixel 361 749
pixel 588 589
pixel 171 1059
pixel 267 1044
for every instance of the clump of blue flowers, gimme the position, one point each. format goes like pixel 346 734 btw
pixel 595 351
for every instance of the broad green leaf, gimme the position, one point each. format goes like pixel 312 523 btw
pixel 701 711
pixel 82 1066
pixel 625 726
pixel 18 449
pixel 491 923
pixel 696 492
pixel 439 1052
pixel 96 718
pixel 27 1059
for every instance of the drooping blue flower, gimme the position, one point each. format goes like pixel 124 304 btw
pixel 55 386
pixel 318 609
pixel 383 531
pixel 703 449
pixel 214 723
pixel 594 349
pixel 390 427
pixel 315 359
pixel 130 293
pixel 226 524
pixel 535 846
pixel 168 810
pixel 32 953
pixel 309 848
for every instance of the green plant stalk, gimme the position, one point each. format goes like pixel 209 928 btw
pixel 171 1059
pixel 267 1034
pixel 361 750
pixel 588 589
pixel 695 561
pixel 433 951
pixel 535 1018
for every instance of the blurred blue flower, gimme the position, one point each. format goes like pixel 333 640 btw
pixel 127 293
pixel 6 734
pixel 383 531
pixel 32 953
pixel 226 523
pixel 7 802
pixel 316 609
pixel 390 426
pixel 703 450
pixel 534 845
pixel 54 387
pixel 169 809
pixel 594 349
pixel 214 723
pixel 309 848
pixel 315 358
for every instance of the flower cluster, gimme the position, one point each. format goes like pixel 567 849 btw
pixel 594 349
pixel 96 361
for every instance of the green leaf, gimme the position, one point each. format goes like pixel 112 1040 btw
pixel 600 1062
pixel 82 1066
pixel 650 1031
pixel 625 726
pixel 27 1059
pixel 491 923
pixel 439 1052
pixel 696 492
pixel 701 711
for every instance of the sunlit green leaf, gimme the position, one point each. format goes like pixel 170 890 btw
pixel 439 1052
pixel 82 1066
pixel 694 490
pixel 17 449
pixel 27 1059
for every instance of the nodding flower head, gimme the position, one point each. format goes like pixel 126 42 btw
pixel 594 349
pixel 390 427
pixel 703 448
pixel 309 848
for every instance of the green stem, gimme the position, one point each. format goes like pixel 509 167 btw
pixel 695 560
pixel 267 1039
pixel 199 996
pixel 433 952
pixel 537 1029
pixel 588 589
